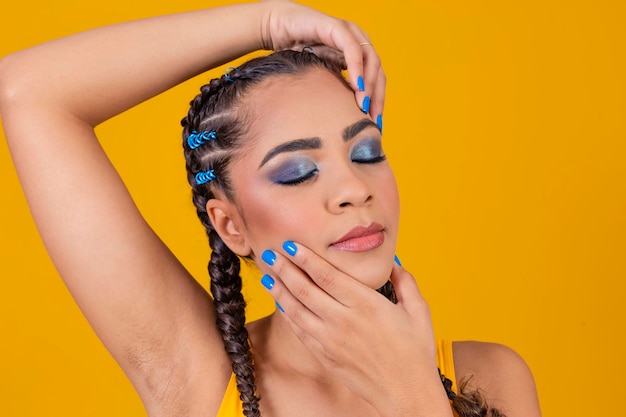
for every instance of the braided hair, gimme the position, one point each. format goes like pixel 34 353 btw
pixel 217 109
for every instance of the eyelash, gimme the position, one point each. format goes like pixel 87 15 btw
pixel 375 160
pixel 299 180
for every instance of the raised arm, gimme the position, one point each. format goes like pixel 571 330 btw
pixel 153 317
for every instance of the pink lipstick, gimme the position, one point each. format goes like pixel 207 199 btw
pixel 361 239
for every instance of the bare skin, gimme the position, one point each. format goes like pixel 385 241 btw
pixel 159 323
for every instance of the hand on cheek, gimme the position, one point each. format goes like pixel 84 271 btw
pixel 373 346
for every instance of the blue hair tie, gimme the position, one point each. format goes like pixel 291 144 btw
pixel 197 139
pixel 204 177
pixel 228 71
pixel 308 49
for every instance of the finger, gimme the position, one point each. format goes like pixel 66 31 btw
pixel 297 307
pixel 299 314
pixel 305 325
pixel 370 64
pixel 341 287
pixel 372 68
pixel 366 90
pixel 378 98
pixel 310 341
pixel 325 52
pixel 299 286
pixel 338 36
pixel 346 38
pixel 341 35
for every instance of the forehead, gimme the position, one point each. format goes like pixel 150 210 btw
pixel 287 107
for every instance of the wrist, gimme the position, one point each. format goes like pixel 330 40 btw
pixel 267 9
pixel 265 40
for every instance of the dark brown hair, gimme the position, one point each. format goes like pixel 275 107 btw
pixel 218 109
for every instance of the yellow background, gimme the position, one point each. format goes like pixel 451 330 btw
pixel 505 124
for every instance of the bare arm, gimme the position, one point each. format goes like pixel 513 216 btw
pixel 152 316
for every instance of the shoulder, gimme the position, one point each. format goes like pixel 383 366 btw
pixel 500 373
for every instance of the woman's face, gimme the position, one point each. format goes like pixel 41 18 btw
pixel 314 172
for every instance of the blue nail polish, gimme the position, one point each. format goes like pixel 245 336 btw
pixel 267 281
pixel 395 258
pixel 290 247
pixel 279 307
pixel 379 122
pixel 268 257
pixel 360 83
pixel 366 104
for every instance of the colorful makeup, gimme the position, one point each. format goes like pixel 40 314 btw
pixel 367 151
pixel 294 170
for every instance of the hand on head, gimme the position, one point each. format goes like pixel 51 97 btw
pixel 287 25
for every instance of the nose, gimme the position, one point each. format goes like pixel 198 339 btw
pixel 349 189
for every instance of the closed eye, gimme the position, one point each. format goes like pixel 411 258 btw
pixel 371 160
pixel 294 171
pixel 299 180
pixel 367 151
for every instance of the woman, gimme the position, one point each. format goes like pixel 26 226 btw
pixel 287 170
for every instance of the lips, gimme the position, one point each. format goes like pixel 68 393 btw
pixel 361 238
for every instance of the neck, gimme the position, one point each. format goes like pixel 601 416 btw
pixel 290 379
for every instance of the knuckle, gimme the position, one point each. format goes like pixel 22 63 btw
pixel 348 24
pixel 301 292
pixel 375 61
pixel 295 314
pixel 353 26
pixel 325 278
pixel 322 276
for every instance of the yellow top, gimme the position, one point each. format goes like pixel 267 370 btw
pixel 232 407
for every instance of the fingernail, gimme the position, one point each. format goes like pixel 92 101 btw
pixel 379 122
pixel 395 258
pixel 366 104
pixel 290 247
pixel 268 257
pixel 360 83
pixel 279 307
pixel 267 281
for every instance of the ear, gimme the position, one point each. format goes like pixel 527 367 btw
pixel 228 224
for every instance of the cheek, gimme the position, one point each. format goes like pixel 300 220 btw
pixel 388 194
pixel 270 220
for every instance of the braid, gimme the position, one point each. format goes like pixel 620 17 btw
pixel 389 292
pixel 216 109
pixel 468 403
pixel 224 265
pixel 231 318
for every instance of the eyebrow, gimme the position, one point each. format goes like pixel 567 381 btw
pixel 356 128
pixel 291 146
pixel 316 143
